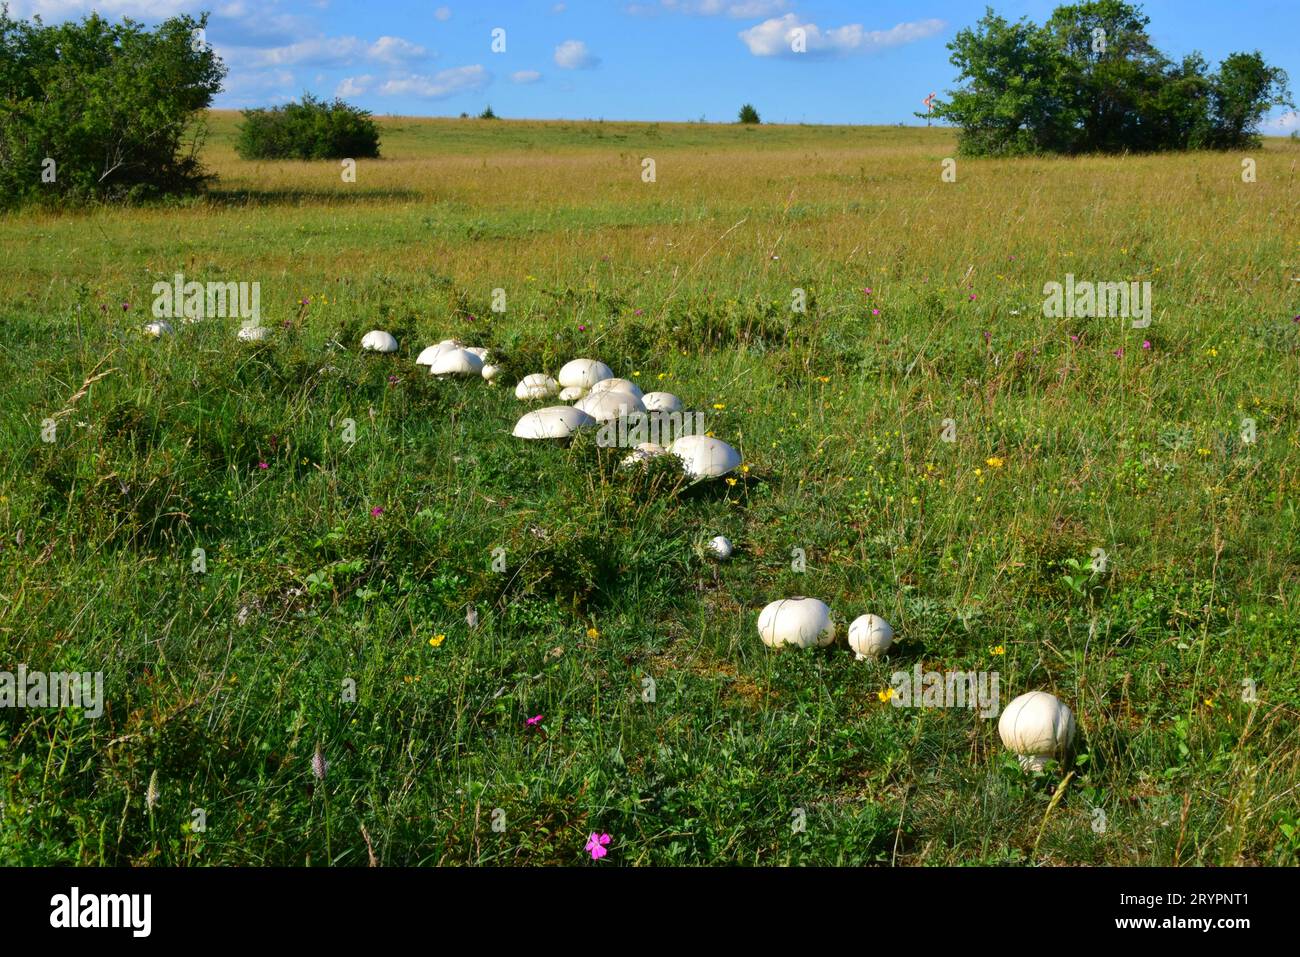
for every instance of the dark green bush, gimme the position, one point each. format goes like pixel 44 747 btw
pixel 95 110
pixel 312 129
pixel 748 114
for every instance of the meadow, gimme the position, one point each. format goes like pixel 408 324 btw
pixel 327 630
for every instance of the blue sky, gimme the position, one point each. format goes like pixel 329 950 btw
pixel 867 62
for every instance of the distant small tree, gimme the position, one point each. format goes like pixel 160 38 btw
pixel 748 114
pixel 487 114
pixel 310 130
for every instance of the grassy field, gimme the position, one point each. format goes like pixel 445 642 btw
pixel 332 565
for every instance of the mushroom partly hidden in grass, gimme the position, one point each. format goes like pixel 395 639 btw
pixel 427 355
pixel 870 636
pixel 456 362
pixel 253 333
pixel 536 386
pixel 1038 727
pixel 643 453
pixel 799 621
pixel 552 422
pixel 661 402
pixel 158 328
pixel 572 393
pixel 490 372
pixel 719 547
pixel 376 340
pixel 704 456
pixel 615 385
pixel 584 373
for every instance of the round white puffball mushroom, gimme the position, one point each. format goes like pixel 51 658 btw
pixel 870 636
pixel 643 453
pixel 428 355
pixel 456 362
pixel 490 372
pixel 253 333
pixel 584 373
pixel 1037 726
pixel 615 385
pixel 719 547
pixel 536 386
pixel 609 406
pixel 376 340
pixel 158 328
pixel 572 393
pixel 662 402
pixel 799 621
pixel 552 422
pixel 704 456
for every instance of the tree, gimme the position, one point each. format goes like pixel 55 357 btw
pixel 487 114
pixel 748 114
pixel 95 110
pixel 310 130
pixel 1090 80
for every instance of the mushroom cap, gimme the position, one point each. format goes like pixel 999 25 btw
pixel 552 422
pixel 870 636
pixel 376 340
pixel 426 356
pixel 538 385
pixel 643 453
pixel 490 372
pixel 704 456
pixel 572 393
pixel 479 351
pixel 253 333
pixel 607 406
pixel 584 372
pixel 719 547
pixel 662 402
pixel 798 621
pixel 1037 726
pixel 158 328
pixel 616 385
pixel 456 362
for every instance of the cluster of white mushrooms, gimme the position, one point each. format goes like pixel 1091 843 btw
pixel 1036 726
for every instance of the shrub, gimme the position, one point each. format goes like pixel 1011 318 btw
pixel 312 129
pixel 1091 81
pixel 487 114
pixel 94 110
pixel 748 114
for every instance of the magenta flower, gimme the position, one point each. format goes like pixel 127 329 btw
pixel 867 290
pixel 126 307
pixel 1146 344
pixel 1073 337
pixel 596 844
pixel 376 512
pixel 534 721
pixel 638 312
pixel 263 465
pixel 875 312
pixel 1119 353
pixel 582 328
pixel 972 297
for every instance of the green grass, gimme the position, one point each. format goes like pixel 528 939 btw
pixel 224 683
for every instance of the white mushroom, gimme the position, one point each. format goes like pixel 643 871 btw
pixel 158 328
pixel 643 453
pixel 1037 726
pixel 662 402
pixel 870 636
pixel 615 385
pixel 607 406
pixel 490 372
pixel 584 373
pixel 456 362
pixel 719 547
pixel 428 355
pixel 253 333
pixel 536 386
pixel 479 351
pixel 704 456
pixel 799 621
pixel 572 393
pixel 376 340
pixel 552 422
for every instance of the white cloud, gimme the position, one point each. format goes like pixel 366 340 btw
pixel 574 55
pixel 442 13
pixel 54 11
pixel 558 8
pixel 444 83
pixel 324 52
pixel 395 50
pixel 776 37
pixel 1285 123
pixel 354 86
pixel 737 9
pixel 525 76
